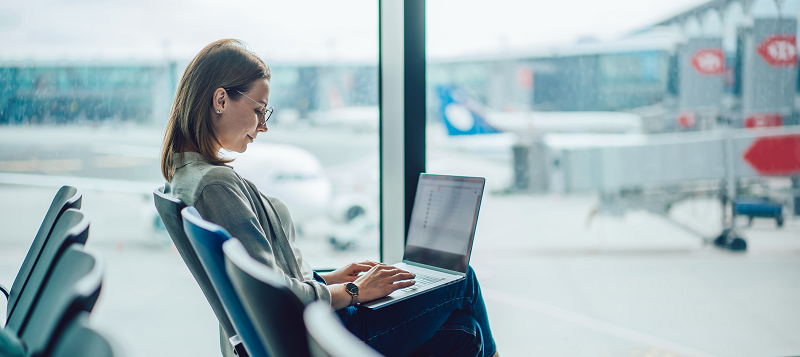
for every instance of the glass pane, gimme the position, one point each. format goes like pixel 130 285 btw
pixel 86 88
pixel 607 132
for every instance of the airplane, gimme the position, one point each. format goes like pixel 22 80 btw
pixel 464 116
pixel 287 172
pixel 297 178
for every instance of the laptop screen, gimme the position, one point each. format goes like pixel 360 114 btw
pixel 443 221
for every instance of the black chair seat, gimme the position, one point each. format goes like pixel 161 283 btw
pixel 207 239
pixel 169 209
pixel 276 312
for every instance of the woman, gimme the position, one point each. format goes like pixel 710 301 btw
pixel 221 103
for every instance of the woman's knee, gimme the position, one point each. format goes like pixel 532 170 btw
pixel 471 280
pixel 465 333
pixel 460 335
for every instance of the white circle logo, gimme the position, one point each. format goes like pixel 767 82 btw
pixel 459 116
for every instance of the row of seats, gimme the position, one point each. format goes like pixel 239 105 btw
pixel 59 282
pixel 55 289
pixel 250 299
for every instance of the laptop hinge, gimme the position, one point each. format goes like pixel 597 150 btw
pixel 431 267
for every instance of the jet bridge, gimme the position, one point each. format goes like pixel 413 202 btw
pixel 655 171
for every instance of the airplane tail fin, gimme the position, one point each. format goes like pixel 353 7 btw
pixel 462 117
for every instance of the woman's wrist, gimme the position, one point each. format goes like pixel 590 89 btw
pixel 327 278
pixel 340 298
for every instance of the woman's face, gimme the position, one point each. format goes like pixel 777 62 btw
pixel 237 122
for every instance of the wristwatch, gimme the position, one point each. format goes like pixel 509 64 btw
pixel 352 289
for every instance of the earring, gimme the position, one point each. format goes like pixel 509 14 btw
pixel 219 111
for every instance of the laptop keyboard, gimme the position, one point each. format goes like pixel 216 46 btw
pixel 422 280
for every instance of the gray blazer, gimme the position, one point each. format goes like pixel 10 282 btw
pixel 263 224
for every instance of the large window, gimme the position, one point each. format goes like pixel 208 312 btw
pixel 613 143
pixel 85 91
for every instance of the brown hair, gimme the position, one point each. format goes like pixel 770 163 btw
pixel 222 64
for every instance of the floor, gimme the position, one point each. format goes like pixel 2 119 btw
pixel 558 279
pixel 631 286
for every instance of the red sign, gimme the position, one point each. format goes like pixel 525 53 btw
pixel 524 77
pixel 709 61
pixel 775 155
pixel 779 50
pixel 763 120
pixel 687 120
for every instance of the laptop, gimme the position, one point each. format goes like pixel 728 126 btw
pixel 440 235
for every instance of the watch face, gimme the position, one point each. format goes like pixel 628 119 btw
pixel 351 288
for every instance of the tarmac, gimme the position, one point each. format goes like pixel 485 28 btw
pixel 557 279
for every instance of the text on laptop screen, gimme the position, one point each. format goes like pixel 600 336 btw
pixel 443 221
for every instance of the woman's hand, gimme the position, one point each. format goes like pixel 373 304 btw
pixel 382 280
pixel 348 273
pixel 377 282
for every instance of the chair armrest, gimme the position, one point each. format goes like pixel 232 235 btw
pixel 11 345
pixel 5 291
pixel 238 346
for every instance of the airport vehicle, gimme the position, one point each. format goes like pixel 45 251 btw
pixel 759 207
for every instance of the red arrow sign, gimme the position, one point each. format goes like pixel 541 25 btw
pixel 775 155
pixel 779 50
pixel 709 61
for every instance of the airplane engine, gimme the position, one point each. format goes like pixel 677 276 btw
pixel 346 208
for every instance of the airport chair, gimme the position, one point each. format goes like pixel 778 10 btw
pixel 169 209
pixel 274 310
pixel 71 228
pixel 72 288
pixel 66 198
pixel 328 338
pixel 78 339
pixel 206 239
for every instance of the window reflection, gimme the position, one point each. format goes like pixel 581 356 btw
pixel 616 155
pixel 85 91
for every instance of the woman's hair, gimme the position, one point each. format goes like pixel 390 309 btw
pixel 222 64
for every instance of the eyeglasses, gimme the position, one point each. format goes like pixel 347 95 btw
pixel 267 111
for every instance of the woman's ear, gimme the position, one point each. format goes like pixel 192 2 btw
pixel 219 100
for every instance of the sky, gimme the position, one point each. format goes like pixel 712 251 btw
pixel 312 30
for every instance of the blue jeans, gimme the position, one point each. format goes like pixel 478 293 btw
pixel 448 321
